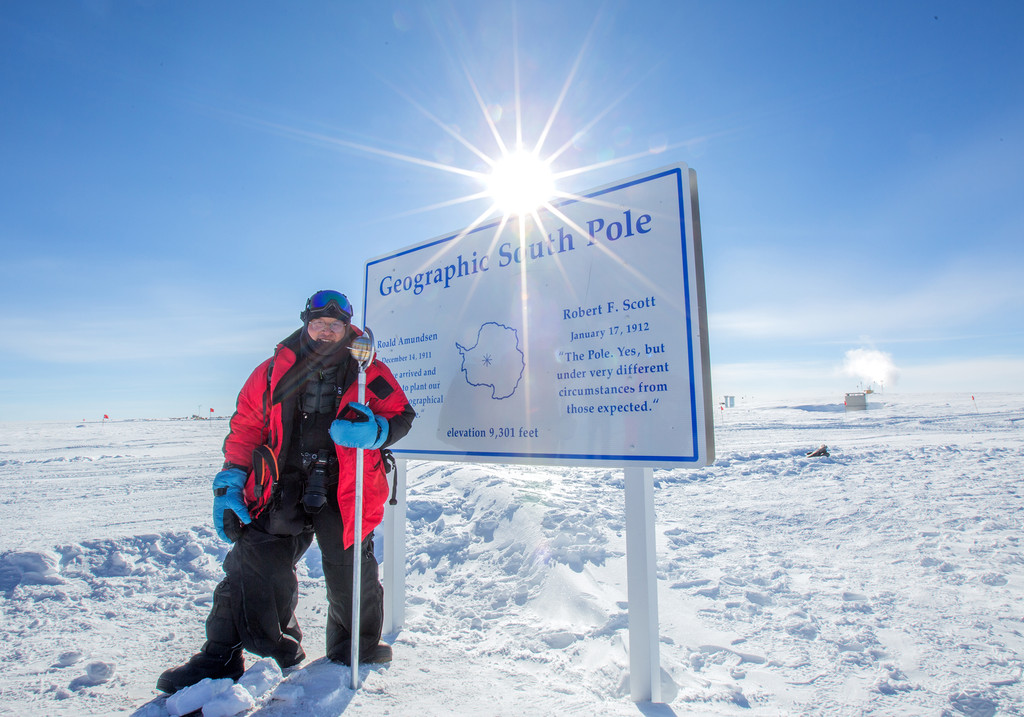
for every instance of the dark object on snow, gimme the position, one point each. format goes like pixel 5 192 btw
pixel 379 655
pixel 214 661
pixel 820 451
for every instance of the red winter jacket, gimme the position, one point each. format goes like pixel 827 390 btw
pixel 258 421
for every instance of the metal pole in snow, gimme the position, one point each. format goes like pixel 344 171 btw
pixel 362 351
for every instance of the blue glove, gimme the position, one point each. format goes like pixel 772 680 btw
pixel 366 431
pixel 228 498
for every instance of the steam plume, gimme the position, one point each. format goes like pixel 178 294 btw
pixel 870 366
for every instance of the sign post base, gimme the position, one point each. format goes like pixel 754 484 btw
pixel 393 529
pixel 642 586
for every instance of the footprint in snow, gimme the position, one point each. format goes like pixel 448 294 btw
pixel 855 602
pixel 973 704
pixel 96 673
pixel 68 658
pixel 758 598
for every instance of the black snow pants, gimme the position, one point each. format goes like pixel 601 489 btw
pixel 254 605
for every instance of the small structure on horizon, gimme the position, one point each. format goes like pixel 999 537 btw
pixel 856 402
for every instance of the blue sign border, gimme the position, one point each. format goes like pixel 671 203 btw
pixel 569 458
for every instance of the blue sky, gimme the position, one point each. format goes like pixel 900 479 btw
pixel 177 177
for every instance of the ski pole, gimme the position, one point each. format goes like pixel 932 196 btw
pixel 362 351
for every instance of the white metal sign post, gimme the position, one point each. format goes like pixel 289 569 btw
pixel 392 531
pixel 579 339
pixel 642 586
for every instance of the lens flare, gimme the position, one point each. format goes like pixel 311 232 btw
pixel 520 183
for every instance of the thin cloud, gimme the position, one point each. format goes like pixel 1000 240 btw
pixel 944 307
pixel 1002 374
pixel 134 339
pixel 792 378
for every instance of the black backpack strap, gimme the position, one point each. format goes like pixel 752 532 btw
pixel 265 470
pixel 267 398
pixel 388 459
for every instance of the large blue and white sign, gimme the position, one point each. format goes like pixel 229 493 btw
pixel 578 341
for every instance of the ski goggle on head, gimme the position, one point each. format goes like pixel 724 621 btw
pixel 327 304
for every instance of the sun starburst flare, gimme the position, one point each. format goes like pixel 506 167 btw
pixel 520 182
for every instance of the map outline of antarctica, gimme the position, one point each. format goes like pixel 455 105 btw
pixel 494 359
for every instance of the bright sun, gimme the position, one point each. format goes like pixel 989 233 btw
pixel 520 183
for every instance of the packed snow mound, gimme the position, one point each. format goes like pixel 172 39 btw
pixel 28 568
pixel 883 579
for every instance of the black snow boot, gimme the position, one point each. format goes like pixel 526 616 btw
pixel 214 661
pixel 380 654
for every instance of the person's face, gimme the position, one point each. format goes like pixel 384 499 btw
pixel 327 330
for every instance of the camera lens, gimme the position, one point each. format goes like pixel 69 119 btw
pixel 315 497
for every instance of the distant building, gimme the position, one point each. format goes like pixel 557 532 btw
pixel 856 402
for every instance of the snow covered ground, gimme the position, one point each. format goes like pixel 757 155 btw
pixel 885 579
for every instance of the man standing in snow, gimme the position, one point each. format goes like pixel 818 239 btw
pixel 289 475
